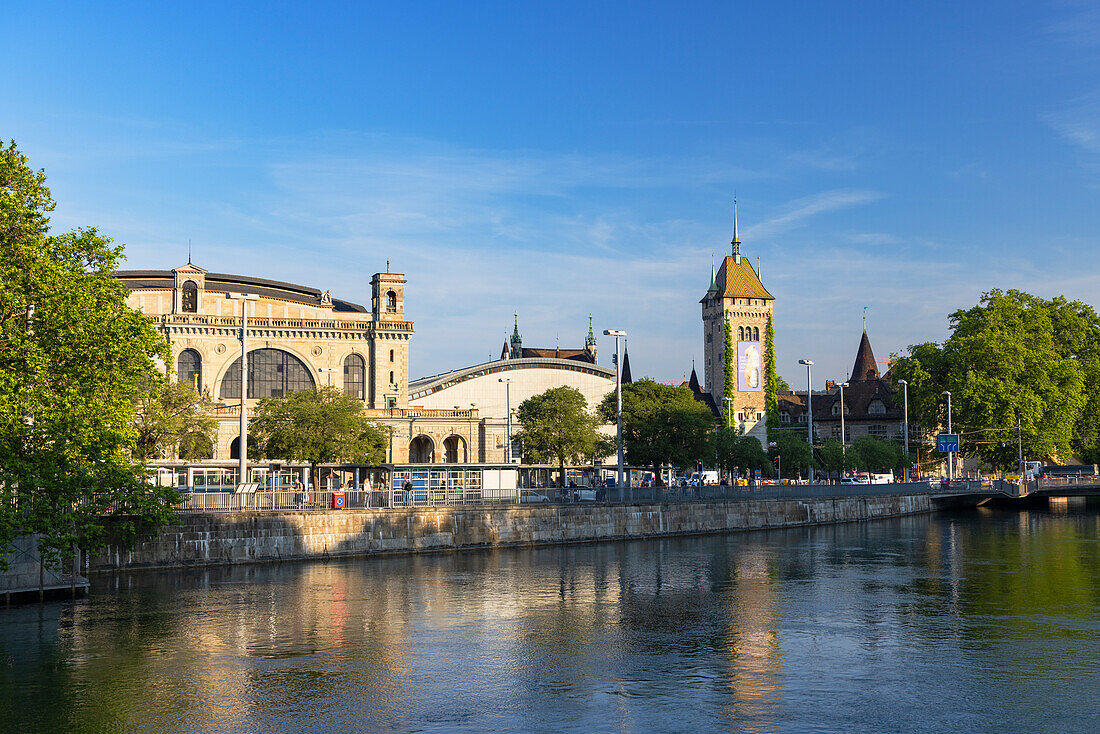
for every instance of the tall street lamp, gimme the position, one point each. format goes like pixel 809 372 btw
pixel 508 410
pixel 905 422
pixel 329 370
pixel 809 416
pixel 950 454
pixel 729 412
pixel 618 334
pixel 244 298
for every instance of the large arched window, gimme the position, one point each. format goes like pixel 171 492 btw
pixel 877 407
pixel 189 298
pixel 272 373
pixel 756 333
pixel 189 368
pixel 454 450
pixel 354 372
pixel 740 333
pixel 391 301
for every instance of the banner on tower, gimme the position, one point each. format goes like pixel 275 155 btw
pixel 749 368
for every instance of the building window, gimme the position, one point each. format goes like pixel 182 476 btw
pixel 272 373
pixel 802 418
pixel 741 333
pixel 877 430
pixel 391 378
pixel 391 301
pixel 354 374
pixel 756 333
pixel 391 401
pixel 876 408
pixel 391 355
pixel 784 417
pixel 189 368
pixel 189 299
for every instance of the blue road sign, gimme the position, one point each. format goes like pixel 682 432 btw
pixel 947 443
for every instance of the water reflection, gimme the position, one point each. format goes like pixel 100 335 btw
pixel 976 622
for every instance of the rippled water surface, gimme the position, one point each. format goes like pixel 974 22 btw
pixel 979 622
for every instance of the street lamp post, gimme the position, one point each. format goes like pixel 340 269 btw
pixel 618 334
pixel 729 412
pixel 508 419
pixel 905 422
pixel 843 435
pixel 329 370
pixel 244 298
pixel 950 454
pixel 809 416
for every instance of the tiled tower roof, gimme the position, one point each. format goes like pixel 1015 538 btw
pixel 865 367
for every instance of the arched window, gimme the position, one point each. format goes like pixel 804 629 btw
pixel 756 333
pixel 454 450
pixel 354 373
pixel 741 333
pixel 421 450
pixel 876 407
pixel 391 355
pixel 391 378
pixel 272 373
pixel 189 298
pixel 391 301
pixel 189 369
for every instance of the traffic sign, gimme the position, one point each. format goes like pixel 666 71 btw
pixel 947 443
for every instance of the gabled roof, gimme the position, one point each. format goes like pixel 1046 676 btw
pixel 739 280
pixel 865 367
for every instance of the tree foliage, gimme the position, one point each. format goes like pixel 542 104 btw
pixel 771 379
pixel 73 362
pixel 166 413
pixel 729 371
pixel 736 451
pixel 795 454
pixel 875 454
pixel 557 426
pixel 317 426
pixel 1012 360
pixel 662 424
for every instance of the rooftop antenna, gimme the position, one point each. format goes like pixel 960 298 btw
pixel 387 265
pixel 865 318
pixel 188 250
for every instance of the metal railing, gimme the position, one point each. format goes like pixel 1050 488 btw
pixel 457 496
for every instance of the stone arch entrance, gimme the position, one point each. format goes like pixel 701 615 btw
pixel 421 450
pixel 454 450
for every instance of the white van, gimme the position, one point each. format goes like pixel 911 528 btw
pixel 707 477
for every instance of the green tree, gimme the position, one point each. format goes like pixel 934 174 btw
pixel 791 447
pixel 736 451
pixel 771 379
pixel 833 457
pixel 662 424
pixel 1013 359
pixel 729 372
pixel 165 413
pixel 73 361
pixel 317 426
pixel 875 454
pixel 557 426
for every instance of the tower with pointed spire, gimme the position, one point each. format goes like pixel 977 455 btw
pixel 590 341
pixel 736 294
pixel 517 341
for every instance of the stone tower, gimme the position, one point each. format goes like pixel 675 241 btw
pixel 736 293
pixel 389 342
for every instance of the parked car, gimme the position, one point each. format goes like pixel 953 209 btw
pixel 582 494
pixel 530 496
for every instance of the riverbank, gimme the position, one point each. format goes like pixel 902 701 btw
pixel 251 537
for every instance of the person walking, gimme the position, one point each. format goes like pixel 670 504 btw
pixel 407 488
pixel 299 493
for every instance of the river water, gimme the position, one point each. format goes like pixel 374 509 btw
pixel 986 621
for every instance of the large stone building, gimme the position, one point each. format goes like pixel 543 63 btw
pixel 736 294
pixel 300 337
pixel 872 406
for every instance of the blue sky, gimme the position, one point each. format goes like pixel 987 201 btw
pixel 562 159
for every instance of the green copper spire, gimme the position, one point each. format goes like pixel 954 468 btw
pixel 590 340
pixel 736 242
pixel 516 339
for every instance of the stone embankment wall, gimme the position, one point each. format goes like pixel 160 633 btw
pixel 245 537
